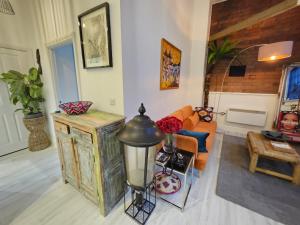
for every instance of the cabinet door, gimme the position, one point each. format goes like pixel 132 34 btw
pixel 113 167
pixel 67 158
pixel 85 164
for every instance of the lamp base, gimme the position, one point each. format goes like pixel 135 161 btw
pixel 142 203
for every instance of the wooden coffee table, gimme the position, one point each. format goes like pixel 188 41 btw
pixel 259 146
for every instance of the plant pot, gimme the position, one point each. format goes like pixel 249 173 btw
pixel 38 139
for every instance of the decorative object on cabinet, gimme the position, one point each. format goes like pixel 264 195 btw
pixel 76 108
pixel 91 156
pixel 170 63
pixel 27 89
pixel 95 37
pixel 6 8
pixel 140 137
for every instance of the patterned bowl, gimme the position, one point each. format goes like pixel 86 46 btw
pixel 75 108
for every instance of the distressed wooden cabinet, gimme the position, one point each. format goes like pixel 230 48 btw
pixel 91 156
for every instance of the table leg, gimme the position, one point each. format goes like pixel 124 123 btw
pixel 296 174
pixel 253 162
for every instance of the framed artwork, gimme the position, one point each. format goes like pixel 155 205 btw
pixel 95 37
pixel 170 63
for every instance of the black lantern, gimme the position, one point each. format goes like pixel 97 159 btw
pixel 140 137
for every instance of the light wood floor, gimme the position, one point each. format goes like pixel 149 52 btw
pixel 32 193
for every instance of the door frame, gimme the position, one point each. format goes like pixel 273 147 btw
pixel 70 39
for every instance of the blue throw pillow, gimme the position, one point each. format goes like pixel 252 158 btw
pixel 200 136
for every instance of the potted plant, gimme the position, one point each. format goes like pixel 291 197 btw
pixel 217 51
pixel 26 89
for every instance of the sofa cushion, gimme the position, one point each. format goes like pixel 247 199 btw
pixel 205 114
pixel 200 136
pixel 194 119
pixel 178 115
pixel 206 127
pixel 187 111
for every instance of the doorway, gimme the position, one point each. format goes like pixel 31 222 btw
pixel 65 73
pixel 13 134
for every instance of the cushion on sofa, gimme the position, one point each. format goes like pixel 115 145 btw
pixel 200 136
pixel 194 119
pixel 178 115
pixel 187 111
pixel 205 114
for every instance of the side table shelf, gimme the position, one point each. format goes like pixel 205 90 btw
pixel 184 173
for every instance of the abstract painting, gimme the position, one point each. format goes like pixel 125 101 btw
pixel 169 66
pixel 95 37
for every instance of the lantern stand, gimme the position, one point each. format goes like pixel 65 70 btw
pixel 139 138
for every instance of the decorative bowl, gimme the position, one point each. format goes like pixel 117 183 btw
pixel 75 108
pixel 275 135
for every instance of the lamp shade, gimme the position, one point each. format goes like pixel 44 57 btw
pixel 274 51
pixel 6 8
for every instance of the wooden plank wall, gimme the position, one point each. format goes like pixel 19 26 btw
pixel 260 77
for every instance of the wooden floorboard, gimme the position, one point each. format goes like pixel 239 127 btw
pixel 32 193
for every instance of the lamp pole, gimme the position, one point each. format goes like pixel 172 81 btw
pixel 226 72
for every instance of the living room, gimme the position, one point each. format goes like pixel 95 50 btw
pixel 215 85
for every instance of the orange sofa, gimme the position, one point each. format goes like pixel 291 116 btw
pixel 191 122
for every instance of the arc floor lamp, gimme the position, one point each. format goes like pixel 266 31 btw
pixel 266 52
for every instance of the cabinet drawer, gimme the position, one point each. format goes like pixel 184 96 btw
pixel 82 136
pixel 60 127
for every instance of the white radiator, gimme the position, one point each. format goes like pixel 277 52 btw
pixel 248 117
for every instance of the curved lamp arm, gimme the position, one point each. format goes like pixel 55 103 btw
pixel 226 72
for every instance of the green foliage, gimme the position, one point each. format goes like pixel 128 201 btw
pixel 217 52
pixel 25 89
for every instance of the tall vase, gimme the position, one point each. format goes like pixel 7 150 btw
pixel 169 143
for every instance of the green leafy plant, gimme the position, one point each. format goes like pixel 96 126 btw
pixel 25 89
pixel 218 51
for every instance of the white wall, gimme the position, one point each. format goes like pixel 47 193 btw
pixel 144 23
pixel 18 30
pixel 263 102
pixel 102 85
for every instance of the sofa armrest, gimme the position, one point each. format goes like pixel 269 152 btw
pixel 187 143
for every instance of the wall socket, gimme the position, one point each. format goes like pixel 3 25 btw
pixel 112 101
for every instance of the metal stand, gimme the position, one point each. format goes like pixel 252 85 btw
pixel 140 210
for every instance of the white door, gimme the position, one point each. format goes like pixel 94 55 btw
pixel 13 134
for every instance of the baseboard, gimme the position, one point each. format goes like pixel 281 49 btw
pixel 231 133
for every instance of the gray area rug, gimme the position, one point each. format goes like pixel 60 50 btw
pixel 267 195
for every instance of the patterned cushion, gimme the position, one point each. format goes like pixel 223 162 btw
pixel 205 114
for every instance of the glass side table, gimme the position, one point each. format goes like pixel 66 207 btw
pixel 184 171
